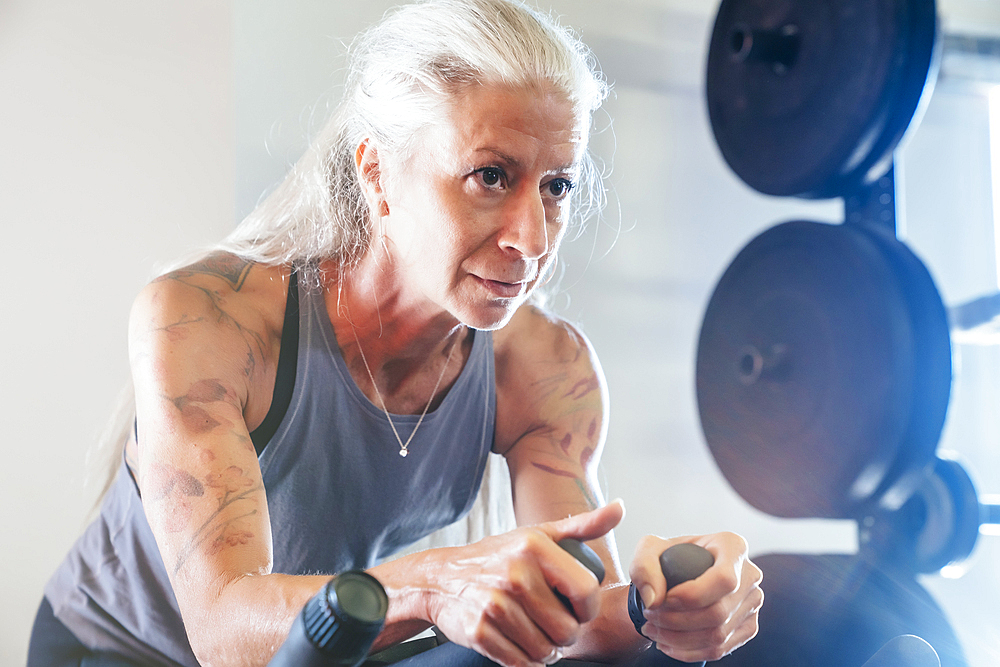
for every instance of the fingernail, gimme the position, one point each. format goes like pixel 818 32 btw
pixel 648 595
pixel 554 656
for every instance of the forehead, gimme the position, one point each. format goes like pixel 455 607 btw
pixel 527 124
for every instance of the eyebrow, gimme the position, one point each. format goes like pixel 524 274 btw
pixel 515 162
pixel 504 157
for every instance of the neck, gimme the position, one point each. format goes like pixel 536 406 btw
pixel 406 344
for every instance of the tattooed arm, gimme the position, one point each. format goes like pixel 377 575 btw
pixel 203 345
pixel 552 406
pixel 551 414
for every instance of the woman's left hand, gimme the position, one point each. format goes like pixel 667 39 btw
pixel 705 618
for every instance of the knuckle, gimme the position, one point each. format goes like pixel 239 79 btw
pixel 532 540
pixel 731 581
pixel 476 632
pixel 759 602
pixel 650 543
pixel 539 652
pixel 717 636
pixel 754 628
pixel 565 635
pixel 717 614
pixel 493 606
pixel 756 574
pixel 517 580
pixel 527 546
pixel 646 550
pixel 716 653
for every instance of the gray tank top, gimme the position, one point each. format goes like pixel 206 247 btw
pixel 339 495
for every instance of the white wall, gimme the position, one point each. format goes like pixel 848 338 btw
pixel 117 154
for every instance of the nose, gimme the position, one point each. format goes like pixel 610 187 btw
pixel 524 231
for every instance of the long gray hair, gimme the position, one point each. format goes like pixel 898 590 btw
pixel 401 73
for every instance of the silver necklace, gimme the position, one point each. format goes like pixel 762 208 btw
pixel 402 445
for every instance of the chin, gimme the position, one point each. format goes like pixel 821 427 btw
pixel 488 317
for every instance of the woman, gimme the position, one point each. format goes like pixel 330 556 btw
pixel 324 388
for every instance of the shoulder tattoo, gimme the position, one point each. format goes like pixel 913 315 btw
pixel 232 269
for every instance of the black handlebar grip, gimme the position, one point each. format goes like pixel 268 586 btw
pixel 587 556
pixel 337 625
pixel 684 562
pixel 681 562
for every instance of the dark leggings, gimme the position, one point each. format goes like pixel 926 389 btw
pixel 453 655
pixel 53 645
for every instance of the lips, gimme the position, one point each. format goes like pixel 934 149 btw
pixel 503 289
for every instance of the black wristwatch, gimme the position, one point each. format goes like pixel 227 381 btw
pixel 635 608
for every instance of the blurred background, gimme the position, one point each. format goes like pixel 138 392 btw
pixel 134 132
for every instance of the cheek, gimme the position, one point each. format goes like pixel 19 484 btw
pixel 557 230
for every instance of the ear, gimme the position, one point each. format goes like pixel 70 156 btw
pixel 366 159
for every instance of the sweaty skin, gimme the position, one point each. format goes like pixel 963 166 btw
pixel 465 231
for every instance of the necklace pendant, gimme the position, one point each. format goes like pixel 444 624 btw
pixel 402 453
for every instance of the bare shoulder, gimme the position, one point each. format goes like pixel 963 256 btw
pixel 222 266
pixel 242 295
pixel 221 315
pixel 536 339
pixel 221 278
pixel 546 369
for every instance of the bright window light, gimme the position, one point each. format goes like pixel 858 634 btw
pixel 994 108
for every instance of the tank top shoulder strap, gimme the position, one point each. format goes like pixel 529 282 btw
pixel 284 381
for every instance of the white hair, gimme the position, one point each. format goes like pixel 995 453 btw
pixel 401 73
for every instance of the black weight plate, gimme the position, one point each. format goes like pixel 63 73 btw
pixel 938 526
pixel 953 518
pixel 829 119
pixel 809 371
pixel 931 388
pixel 837 611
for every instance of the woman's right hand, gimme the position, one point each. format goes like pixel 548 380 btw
pixel 497 596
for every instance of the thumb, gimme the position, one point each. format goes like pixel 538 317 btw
pixel 587 525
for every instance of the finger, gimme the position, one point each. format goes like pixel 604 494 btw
pixel 586 525
pixel 514 622
pixel 528 607
pixel 741 636
pixel 555 656
pixel 748 598
pixel 562 571
pixel 496 646
pixel 724 578
pixel 569 578
pixel 728 634
pixel 645 571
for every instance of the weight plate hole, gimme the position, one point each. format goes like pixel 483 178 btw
pixel 751 364
pixel 777 48
pixel 740 41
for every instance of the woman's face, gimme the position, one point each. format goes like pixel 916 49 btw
pixel 475 216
